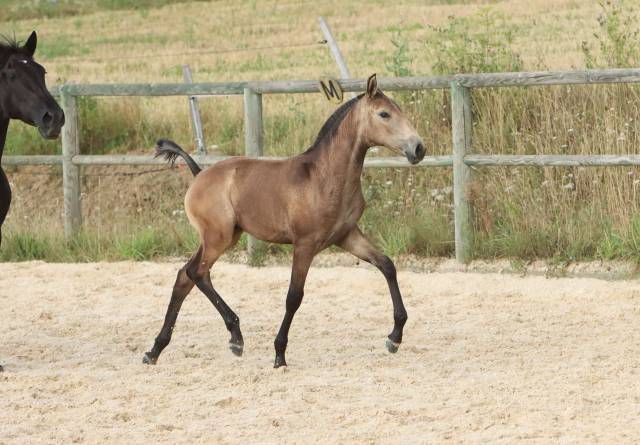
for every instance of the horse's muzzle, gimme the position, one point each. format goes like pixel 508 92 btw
pixel 416 153
pixel 51 122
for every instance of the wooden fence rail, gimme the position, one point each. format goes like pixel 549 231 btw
pixel 461 159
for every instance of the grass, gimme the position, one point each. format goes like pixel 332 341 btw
pixel 142 243
pixel 565 214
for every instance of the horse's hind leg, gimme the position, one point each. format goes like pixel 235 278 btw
pixel 214 244
pixel 181 289
pixel 357 244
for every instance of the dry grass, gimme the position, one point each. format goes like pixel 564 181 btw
pixel 88 48
pixel 567 213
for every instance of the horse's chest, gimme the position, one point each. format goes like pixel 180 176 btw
pixel 343 218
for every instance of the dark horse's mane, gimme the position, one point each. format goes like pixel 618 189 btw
pixel 332 124
pixel 8 47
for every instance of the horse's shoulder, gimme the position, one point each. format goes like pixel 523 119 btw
pixel 302 168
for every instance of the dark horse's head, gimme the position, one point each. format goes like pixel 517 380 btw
pixel 23 92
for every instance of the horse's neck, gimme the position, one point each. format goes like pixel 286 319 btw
pixel 344 157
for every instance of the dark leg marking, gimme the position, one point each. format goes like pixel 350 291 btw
pixel 202 278
pixel 181 289
pixel 301 262
pixel 357 244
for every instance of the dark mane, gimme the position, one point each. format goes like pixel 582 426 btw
pixel 8 46
pixel 330 127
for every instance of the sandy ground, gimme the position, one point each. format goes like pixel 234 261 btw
pixel 486 358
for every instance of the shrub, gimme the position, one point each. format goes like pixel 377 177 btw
pixel 617 37
pixel 480 43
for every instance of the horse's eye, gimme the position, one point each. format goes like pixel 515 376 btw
pixel 384 115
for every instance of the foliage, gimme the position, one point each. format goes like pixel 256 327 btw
pixel 479 43
pixel 399 62
pixel 618 38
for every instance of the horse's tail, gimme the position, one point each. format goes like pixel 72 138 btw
pixel 170 151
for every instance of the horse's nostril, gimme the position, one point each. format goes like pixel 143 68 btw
pixel 47 118
pixel 420 150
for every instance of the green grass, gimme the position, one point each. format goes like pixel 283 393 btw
pixel 142 243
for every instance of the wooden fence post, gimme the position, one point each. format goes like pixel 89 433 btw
pixel 70 171
pixel 196 121
pixel 335 50
pixel 462 122
pixel 253 140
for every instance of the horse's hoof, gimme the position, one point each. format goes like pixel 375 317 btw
pixel 280 361
pixel 392 346
pixel 148 359
pixel 236 349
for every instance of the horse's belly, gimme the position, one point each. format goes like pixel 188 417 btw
pixel 263 221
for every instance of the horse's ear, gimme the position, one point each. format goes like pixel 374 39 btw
pixel 32 42
pixel 372 85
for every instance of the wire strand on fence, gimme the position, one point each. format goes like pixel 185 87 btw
pixel 101 175
pixel 185 53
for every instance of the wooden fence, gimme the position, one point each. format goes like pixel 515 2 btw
pixel 461 159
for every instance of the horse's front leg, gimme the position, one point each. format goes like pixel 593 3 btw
pixel 5 199
pixel 5 202
pixel 357 244
pixel 302 257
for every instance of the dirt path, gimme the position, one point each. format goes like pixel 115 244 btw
pixel 486 358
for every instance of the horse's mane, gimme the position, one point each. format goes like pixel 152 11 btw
pixel 330 127
pixel 8 47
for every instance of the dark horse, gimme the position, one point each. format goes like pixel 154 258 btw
pixel 23 96
pixel 313 201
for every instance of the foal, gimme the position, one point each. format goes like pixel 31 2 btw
pixel 313 201
pixel 23 96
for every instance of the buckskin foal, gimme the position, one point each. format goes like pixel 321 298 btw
pixel 313 201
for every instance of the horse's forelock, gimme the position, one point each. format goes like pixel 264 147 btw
pixel 8 47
